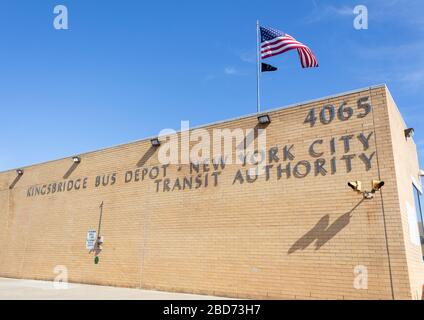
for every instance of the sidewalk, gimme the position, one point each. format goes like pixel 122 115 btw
pixel 17 289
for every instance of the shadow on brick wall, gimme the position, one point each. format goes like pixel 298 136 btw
pixel 149 153
pixel 70 170
pixel 322 232
pixel 247 141
pixel 15 182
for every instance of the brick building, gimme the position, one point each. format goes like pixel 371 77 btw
pixel 295 231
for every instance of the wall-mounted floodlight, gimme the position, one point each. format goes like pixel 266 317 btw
pixel 264 119
pixel 409 133
pixel 76 159
pixel 421 173
pixel 155 142
pixel 377 185
pixel 355 185
pixel 19 172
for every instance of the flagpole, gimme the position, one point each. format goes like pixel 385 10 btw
pixel 258 71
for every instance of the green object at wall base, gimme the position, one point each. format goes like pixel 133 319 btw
pixel 96 260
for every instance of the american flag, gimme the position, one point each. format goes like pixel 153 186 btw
pixel 274 42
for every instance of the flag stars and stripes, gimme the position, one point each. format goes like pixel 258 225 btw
pixel 274 42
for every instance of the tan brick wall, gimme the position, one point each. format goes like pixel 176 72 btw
pixel 406 168
pixel 281 238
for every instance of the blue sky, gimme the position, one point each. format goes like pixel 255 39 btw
pixel 127 69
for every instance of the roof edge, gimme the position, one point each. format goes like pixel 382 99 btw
pixel 286 107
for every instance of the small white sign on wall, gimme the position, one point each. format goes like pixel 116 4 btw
pixel 91 240
pixel 414 235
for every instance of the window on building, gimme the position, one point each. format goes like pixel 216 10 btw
pixel 419 212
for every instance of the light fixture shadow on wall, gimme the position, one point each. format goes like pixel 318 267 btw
pixel 19 174
pixel 76 160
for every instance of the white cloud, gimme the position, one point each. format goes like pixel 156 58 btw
pixel 392 53
pixel 408 78
pixel 403 12
pixel 229 71
pixel 325 12
pixel 402 64
pixel 209 77
pixel 414 78
pixel 232 71
pixel 341 11
pixel 248 57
